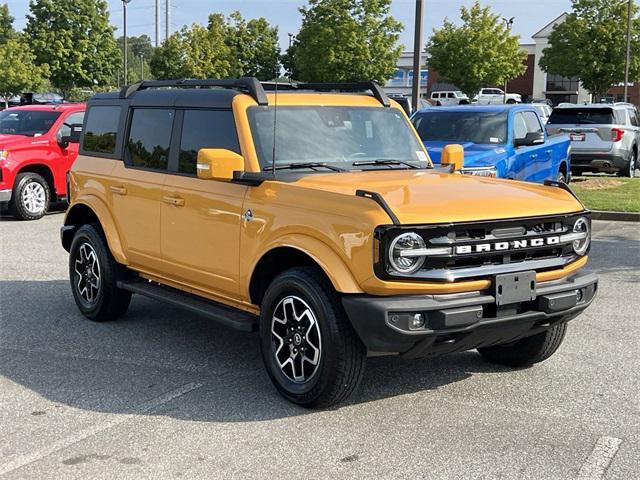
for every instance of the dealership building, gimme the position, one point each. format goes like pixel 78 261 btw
pixel 533 84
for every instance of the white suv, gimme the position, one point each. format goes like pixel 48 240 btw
pixel 449 97
pixel 495 96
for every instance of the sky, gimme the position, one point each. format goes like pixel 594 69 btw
pixel 530 15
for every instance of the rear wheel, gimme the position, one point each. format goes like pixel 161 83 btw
pixel 630 169
pixel 30 197
pixel 310 350
pixel 528 351
pixel 93 273
pixel 511 101
pixel 562 177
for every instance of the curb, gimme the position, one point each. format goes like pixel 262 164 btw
pixel 616 216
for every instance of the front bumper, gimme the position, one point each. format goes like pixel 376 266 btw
pixel 5 196
pixel 465 321
pixel 599 162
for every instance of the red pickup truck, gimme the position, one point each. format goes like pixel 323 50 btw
pixel 38 144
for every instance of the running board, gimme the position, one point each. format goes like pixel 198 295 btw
pixel 223 314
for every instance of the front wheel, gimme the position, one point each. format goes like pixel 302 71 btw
pixel 93 273
pixel 310 350
pixel 30 198
pixel 528 351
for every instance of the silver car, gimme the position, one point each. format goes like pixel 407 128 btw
pixel 604 138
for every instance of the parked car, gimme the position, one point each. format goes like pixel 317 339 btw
pixel 405 102
pixel 544 111
pixel 495 96
pixel 449 97
pixel 505 141
pixel 323 227
pixel 38 144
pixel 604 138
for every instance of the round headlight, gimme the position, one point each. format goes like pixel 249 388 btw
pixel 400 253
pixel 582 226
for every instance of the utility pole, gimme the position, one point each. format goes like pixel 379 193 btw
pixel 141 67
pixel 626 65
pixel 125 52
pixel 157 23
pixel 506 82
pixel 167 19
pixel 417 56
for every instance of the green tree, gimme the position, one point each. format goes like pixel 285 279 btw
pixel 345 40
pixel 196 52
pixel 139 54
pixel 75 40
pixel 253 45
pixel 478 53
pixel 6 24
pixel 19 72
pixel 591 45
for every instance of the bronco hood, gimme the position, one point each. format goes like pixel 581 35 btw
pixel 426 196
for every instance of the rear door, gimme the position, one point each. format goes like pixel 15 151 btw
pixel 531 162
pixel 590 128
pixel 68 153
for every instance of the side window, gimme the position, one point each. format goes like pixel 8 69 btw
pixel 520 129
pixel 634 118
pixel 435 95
pixel 205 129
pixel 65 128
pixel 533 124
pixel 150 138
pixel 101 131
pixel 451 95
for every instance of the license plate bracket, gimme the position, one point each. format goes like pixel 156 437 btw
pixel 514 287
pixel 578 137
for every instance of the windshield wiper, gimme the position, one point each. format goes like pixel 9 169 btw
pixel 296 166
pixel 384 161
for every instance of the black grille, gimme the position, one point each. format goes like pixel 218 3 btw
pixel 532 244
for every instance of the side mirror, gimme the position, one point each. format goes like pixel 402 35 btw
pixel 453 155
pixel 218 164
pixel 65 140
pixel 532 138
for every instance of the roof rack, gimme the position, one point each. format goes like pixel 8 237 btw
pixel 249 84
pixel 373 87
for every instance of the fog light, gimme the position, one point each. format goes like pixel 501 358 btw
pixel 416 322
pixel 579 295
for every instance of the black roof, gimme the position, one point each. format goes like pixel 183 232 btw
pixel 219 93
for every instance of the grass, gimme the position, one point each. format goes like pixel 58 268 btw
pixel 608 193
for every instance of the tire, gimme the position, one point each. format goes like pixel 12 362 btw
pixel 304 295
pixel 30 197
pixel 528 351
pixel 93 273
pixel 561 177
pixel 511 101
pixel 630 170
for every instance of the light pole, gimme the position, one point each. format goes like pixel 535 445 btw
pixel 291 36
pixel 126 60
pixel 626 65
pixel 141 67
pixel 417 56
pixel 509 24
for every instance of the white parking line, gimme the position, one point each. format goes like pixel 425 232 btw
pixel 596 464
pixel 117 419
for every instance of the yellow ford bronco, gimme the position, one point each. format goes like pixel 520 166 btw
pixel 312 214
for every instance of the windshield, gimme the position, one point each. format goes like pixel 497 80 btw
pixel 26 122
pixel 338 136
pixel 582 116
pixel 462 127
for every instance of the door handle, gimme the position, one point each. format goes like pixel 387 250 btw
pixel 118 190
pixel 175 201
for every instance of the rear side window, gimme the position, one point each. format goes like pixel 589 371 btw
pixel 101 131
pixel 150 138
pixel 581 116
pixel 205 129
pixel 635 121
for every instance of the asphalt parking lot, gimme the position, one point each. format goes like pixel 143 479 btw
pixel 164 394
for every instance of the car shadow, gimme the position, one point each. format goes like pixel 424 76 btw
pixel 49 348
pixel 56 208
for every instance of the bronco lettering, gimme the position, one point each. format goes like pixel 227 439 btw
pixel 505 246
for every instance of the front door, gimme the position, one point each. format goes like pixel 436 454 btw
pixel 201 219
